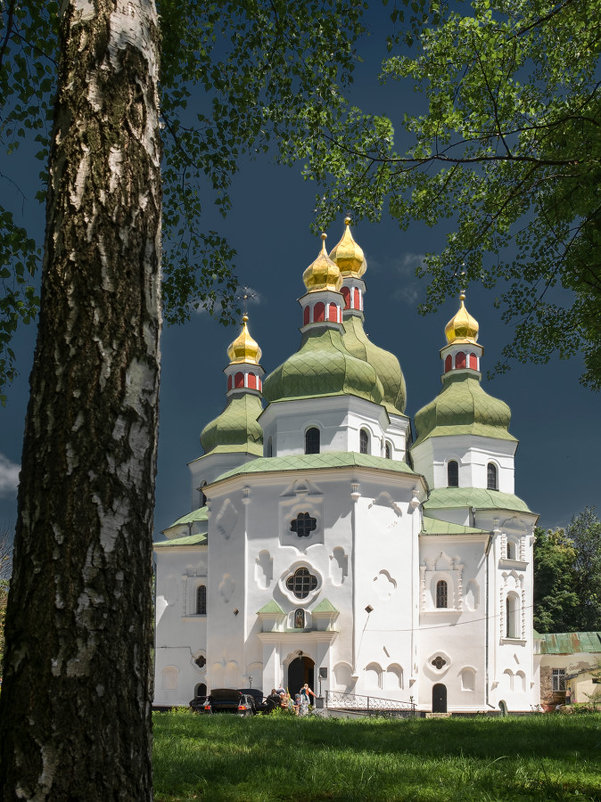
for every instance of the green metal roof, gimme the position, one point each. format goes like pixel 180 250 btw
pixel 323 366
pixel 570 642
pixel 463 407
pixel 272 607
pixel 311 462
pixel 188 540
pixel 236 429
pixel 385 364
pixel 451 497
pixel 325 606
pixel 201 514
pixel 434 526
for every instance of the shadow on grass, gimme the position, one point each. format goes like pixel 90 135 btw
pixel 279 758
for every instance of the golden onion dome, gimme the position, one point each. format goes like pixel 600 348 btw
pixel 323 273
pixel 348 255
pixel 244 348
pixel 462 328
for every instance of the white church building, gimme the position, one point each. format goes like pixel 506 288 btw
pixel 326 545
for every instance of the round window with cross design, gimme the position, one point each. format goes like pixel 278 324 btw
pixel 301 583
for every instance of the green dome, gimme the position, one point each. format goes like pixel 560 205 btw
pixel 236 429
pixel 463 408
pixel 323 366
pixel 385 364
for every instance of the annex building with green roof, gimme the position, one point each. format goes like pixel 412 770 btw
pixel 331 542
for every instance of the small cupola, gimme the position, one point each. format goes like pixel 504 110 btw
pixel 348 255
pixel 323 273
pixel 236 429
pixel 462 351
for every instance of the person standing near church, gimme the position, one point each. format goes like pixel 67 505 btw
pixel 305 691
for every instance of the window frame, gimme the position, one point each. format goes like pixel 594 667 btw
pixel 455 468
pixel 442 594
pixel 512 616
pixel 313 446
pixel 364 441
pixel 558 679
pixel 492 476
pixel 304 521
pixel 201 600
pixel 307 582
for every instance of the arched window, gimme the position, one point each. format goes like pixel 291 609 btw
pixel 346 294
pixel 388 451
pixel 512 609
pixel 319 312
pixel 239 379
pixel 448 363
pixel 200 689
pixel 473 362
pixel 363 441
pixel 229 382
pixel 453 473
pixel 312 437
pixel 357 299
pixel 491 476
pixel 333 313
pixel 306 314
pixel 201 600
pixel 442 594
pixel 460 360
pixel 252 381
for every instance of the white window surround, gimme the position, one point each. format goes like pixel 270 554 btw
pixel 312 594
pixel 513 588
pixel 432 571
pixel 439 672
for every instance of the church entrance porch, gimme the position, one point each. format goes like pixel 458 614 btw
pixel 300 670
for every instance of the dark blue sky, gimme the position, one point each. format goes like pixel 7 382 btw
pixel 555 419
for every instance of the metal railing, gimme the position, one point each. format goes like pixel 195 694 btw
pixel 372 705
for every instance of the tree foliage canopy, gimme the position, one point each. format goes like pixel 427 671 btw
pixel 238 79
pixel 508 152
pixel 567 576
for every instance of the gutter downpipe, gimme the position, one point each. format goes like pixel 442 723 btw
pixel 486 557
pixel 355 496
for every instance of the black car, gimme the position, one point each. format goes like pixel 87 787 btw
pixel 230 700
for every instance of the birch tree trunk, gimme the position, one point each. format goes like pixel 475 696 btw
pixel 75 703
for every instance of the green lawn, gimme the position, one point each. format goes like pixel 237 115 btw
pixel 217 758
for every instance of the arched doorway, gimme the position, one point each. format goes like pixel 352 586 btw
pixel 301 670
pixel 439 698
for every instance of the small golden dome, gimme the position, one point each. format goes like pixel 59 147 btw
pixel 244 348
pixel 348 255
pixel 323 273
pixel 462 328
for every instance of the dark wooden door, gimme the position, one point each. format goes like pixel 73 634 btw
pixel 439 698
